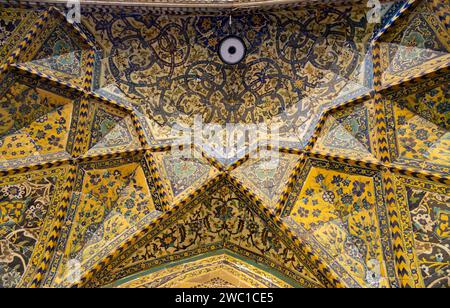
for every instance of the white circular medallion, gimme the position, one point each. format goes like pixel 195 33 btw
pixel 232 50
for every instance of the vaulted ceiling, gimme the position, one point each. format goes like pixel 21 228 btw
pixel 201 4
pixel 116 167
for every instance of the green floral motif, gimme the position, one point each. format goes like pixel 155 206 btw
pixel 419 41
pixel 183 173
pixel 60 52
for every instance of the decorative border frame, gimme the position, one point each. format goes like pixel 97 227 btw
pixel 384 166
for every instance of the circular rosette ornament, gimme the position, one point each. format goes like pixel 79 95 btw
pixel 232 50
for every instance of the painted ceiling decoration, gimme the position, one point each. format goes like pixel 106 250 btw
pixel 219 270
pixel 192 6
pixel 342 174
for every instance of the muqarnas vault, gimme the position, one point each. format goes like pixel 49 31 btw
pixel 98 188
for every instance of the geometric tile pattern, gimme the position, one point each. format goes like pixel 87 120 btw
pixel 343 212
pixel 111 129
pixel 420 42
pixel 59 52
pixel 183 172
pixel 267 175
pixel 98 187
pixel 36 120
pixel 14 24
pixel 110 201
pixel 349 132
pixel 218 218
pixel 163 74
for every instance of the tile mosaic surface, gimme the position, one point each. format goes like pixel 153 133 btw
pixel 349 132
pixel 217 271
pixel 110 130
pixel 36 121
pixel 419 42
pixel 267 175
pixel 58 51
pixel 418 131
pixel 183 172
pixel 110 201
pixel 427 229
pixel 14 24
pixel 343 212
pixel 28 206
pixel 219 218
pixel 169 69
pixel 103 184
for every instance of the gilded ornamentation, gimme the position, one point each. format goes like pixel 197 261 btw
pixel 97 176
pixel 169 70
pixel 219 218
pixel 343 212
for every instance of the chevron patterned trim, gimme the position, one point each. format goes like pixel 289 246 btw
pixel 130 242
pixel 26 42
pixel 107 156
pixel 442 11
pixel 109 101
pixel 48 77
pixel 368 164
pixel 164 148
pixel 157 181
pixel 293 178
pixel 420 174
pixel 89 71
pixel 56 11
pixel 331 280
pixel 318 129
pixel 377 70
pixel 239 163
pixel 82 133
pixel 285 150
pixel 381 141
pixel 36 167
pixel 211 160
pixel 401 13
pixel 398 245
pixel 382 152
pixel 436 69
pixel 254 153
pixel 58 225
pixel 140 131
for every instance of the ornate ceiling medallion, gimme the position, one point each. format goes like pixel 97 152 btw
pixel 232 50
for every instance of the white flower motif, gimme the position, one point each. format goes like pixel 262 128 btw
pixel 10 279
pixel 425 269
pixel 425 222
pixel 13 191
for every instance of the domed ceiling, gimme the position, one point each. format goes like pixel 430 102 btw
pixel 131 154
